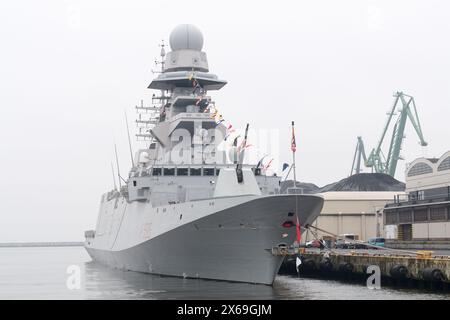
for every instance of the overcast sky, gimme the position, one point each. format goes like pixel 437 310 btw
pixel 68 70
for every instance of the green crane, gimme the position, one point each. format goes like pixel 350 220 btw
pixel 376 159
pixel 359 153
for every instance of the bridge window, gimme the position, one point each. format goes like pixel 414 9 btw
pixel 182 171
pixel 419 169
pixel 208 171
pixel 169 171
pixel 445 165
pixel 156 171
pixel 196 172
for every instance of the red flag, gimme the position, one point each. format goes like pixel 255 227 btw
pixel 268 165
pixel 299 234
pixel 293 144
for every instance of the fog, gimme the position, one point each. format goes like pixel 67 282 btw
pixel 69 69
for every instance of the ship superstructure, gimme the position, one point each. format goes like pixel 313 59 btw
pixel 191 207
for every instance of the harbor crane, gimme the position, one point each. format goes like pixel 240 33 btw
pixel 376 160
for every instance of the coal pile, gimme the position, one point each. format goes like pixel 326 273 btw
pixel 357 182
pixel 366 182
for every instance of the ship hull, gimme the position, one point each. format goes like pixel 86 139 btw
pixel 233 244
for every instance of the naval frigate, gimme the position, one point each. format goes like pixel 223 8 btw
pixel 191 207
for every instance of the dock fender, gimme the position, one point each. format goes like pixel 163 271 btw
pixel 399 271
pixel 346 267
pixel 326 265
pixel 432 274
pixel 308 264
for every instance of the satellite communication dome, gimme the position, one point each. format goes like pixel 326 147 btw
pixel 186 36
pixel 144 158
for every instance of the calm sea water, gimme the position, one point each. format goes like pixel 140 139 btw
pixel 41 273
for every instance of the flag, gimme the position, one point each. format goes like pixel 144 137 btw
pixel 297 227
pixel 219 119
pixel 298 262
pixel 242 146
pixel 214 113
pixel 268 165
pixel 230 128
pixel 293 144
pixel 285 166
pixel 229 131
pixel 260 161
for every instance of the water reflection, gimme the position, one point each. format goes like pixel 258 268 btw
pixel 41 273
pixel 106 283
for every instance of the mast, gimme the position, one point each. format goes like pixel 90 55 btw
pixel 150 116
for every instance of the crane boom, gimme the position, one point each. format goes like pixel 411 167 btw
pixel 359 153
pixel 376 159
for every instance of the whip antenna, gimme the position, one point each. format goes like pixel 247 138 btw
pixel 129 139
pixel 117 163
pixel 114 176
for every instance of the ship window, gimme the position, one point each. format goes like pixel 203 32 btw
pixel 420 195
pixel 208 171
pixel 169 171
pixel 156 171
pixel 182 171
pixel 445 165
pixel 152 146
pixel 196 172
pixel 134 183
pixel 419 169
pixel 217 172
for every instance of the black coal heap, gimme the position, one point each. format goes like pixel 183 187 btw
pixel 356 182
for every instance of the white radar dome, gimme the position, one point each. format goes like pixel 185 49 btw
pixel 144 158
pixel 186 36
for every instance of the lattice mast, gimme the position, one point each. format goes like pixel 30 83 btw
pixel 149 116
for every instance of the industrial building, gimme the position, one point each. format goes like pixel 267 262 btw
pixel 353 212
pixel 424 212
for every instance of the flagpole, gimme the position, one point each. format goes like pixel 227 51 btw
pixel 293 149
pixel 293 157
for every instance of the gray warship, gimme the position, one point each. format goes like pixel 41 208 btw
pixel 189 207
